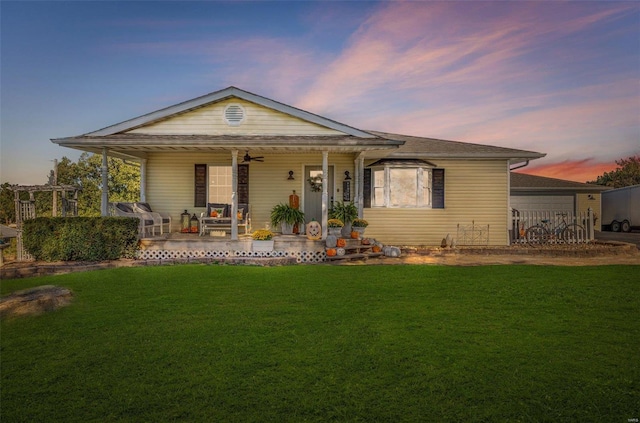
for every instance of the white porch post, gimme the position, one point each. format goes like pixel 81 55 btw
pixel 104 205
pixel 234 195
pixel 143 180
pixel 360 184
pixel 325 193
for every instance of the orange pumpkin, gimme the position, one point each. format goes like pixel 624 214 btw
pixel 376 249
pixel 331 252
pixel 355 235
pixel 341 242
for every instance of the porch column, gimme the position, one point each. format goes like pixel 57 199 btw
pixel 234 195
pixel 360 184
pixel 104 205
pixel 143 180
pixel 325 193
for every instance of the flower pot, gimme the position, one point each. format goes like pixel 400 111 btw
pixel 257 245
pixel 337 232
pixel 286 228
pixel 346 230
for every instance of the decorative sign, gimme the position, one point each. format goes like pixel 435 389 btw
pixel 346 191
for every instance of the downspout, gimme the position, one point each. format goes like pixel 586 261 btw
pixel 509 212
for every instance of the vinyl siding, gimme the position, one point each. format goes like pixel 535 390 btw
pixel 209 120
pixel 170 180
pixel 475 191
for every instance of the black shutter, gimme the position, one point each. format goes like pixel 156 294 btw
pixel 243 184
pixel 200 190
pixel 438 188
pixel 366 184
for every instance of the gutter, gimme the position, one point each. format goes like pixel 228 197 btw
pixel 519 167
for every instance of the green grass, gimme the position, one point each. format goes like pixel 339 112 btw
pixel 329 343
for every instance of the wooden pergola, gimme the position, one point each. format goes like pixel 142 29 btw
pixel 26 209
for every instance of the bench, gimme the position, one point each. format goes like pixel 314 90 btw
pixel 218 216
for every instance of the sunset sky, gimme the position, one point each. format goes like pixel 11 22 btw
pixel 562 78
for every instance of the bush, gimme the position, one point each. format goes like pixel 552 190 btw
pixel 81 238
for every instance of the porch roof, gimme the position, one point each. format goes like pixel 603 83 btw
pixel 138 145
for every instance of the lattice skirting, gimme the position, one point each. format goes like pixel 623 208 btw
pixel 300 256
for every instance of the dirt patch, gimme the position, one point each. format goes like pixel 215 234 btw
pixel 592 254
pixel 35 301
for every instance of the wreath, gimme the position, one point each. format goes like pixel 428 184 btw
pixel 316 183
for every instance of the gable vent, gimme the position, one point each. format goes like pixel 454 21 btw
pixel 234 114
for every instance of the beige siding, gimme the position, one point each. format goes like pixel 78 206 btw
pixel 475 191
pixel 584 203
pixel 209 120
pixel 170 180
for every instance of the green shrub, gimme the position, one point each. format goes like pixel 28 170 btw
pixel 81 238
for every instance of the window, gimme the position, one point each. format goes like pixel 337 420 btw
pixel 219 184
pixel 406 183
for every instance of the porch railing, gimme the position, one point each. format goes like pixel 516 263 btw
pixel 552 226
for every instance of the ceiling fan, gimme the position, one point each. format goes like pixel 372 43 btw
pixel 247 158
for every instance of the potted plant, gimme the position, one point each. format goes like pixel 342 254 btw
pixel 335 226
pixel 262 240
pixel 286 216
pixel 357 228
pixel 346 212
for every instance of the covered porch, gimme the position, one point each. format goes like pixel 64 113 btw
pixel 265 148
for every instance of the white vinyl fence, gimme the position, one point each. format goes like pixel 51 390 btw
pixel 551 227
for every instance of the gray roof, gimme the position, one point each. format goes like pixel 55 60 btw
pixel 524 182
pixel 377 144
pixel 433 148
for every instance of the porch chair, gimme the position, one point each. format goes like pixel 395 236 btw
pixel 160 218
pixel 147 221
pixel 245 222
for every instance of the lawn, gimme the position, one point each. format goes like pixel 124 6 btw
pixel 329 343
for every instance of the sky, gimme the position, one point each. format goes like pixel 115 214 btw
pixel 561 78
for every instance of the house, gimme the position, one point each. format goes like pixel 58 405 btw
pixel 236 147
pixel 531 193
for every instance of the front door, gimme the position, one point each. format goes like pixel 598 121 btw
pixel 313 192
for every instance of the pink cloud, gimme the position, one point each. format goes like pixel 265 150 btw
pixel 578 171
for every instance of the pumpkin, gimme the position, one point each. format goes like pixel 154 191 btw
pixel 331 252
pixel 355 234
pixel 376 249
pixel 341 242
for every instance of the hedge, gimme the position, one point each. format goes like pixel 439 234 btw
pixel 81 238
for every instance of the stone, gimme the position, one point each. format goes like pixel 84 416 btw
pixel 35 301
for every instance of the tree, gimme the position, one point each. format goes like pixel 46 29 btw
pixel 627 174
pixel 7 204
pixel 123 182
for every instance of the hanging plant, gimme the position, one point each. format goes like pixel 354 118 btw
pixel 315 182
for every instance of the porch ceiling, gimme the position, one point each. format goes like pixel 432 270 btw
pixel 138 145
